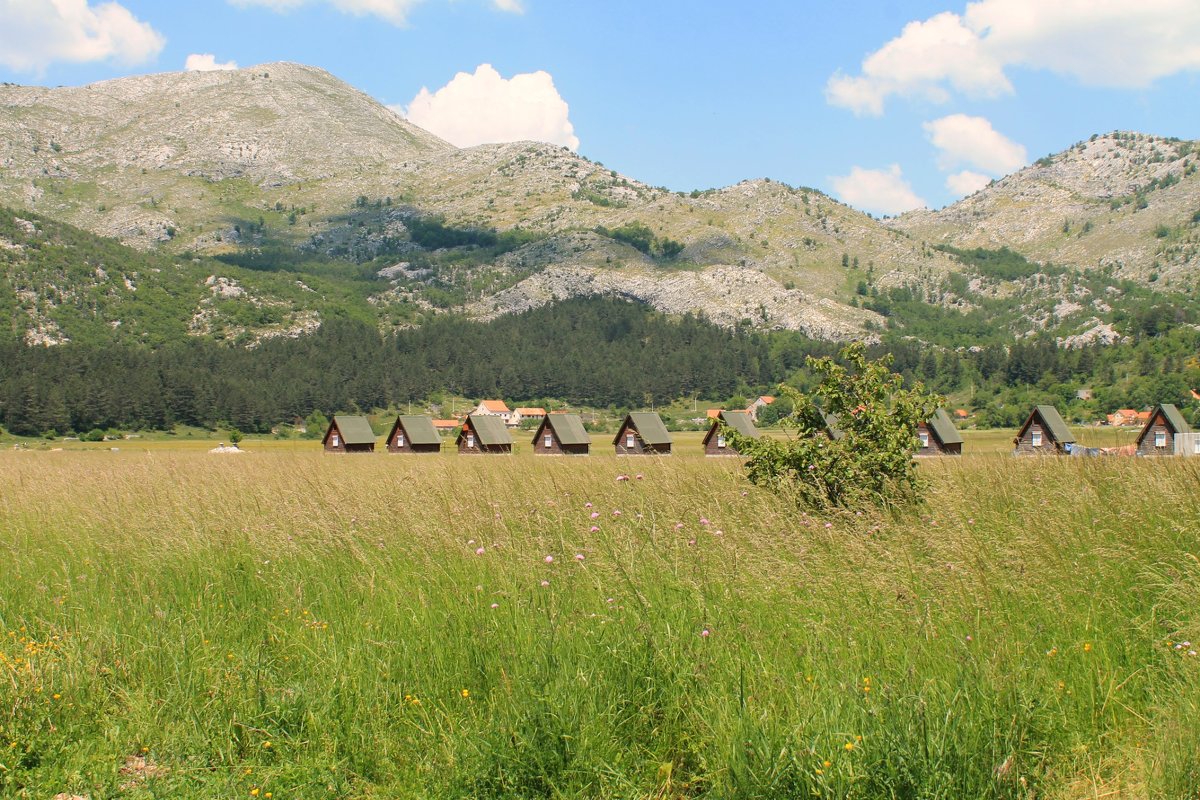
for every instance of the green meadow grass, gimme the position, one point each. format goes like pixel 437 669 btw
pixel 293 625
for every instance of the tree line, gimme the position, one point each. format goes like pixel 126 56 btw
pixel 598 352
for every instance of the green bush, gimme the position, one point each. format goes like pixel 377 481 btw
pixel 856 436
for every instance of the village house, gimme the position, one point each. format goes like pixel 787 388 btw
pixel 410 434
pixel 446 425
pixel 483 433
pixel 1123 417
pixel 938 436
pixel 561 434
pixel 349 434
pixel 761 402
pixel 520 415
pixel 1044 433
pixel 716 441
pixel 642 434
pixel 494 408
pixel 1158 436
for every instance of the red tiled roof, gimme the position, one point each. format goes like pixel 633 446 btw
pixel 532 412
pixel 446 423
pixel 713 413
pixel 495 406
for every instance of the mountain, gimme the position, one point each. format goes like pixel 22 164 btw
pixel 281 174
pixel 1125 201
pixel 286 156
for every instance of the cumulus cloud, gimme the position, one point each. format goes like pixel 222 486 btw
pixel 877 190
pixel 481 107
pixel 206 62
pixel 966 182
pixel 1111 43
pixel 961 139
pixel 393 11
pixel 37 33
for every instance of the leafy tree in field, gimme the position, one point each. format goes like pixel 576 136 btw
pixel 871 462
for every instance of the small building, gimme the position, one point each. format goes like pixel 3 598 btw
pixel 349 433
pixel 446 425
pixel 410 434
pixel 760 402
pixel 1158 437
pixel 642 434
pixel 715 441
pixel 561 435
pixel 484 433
pixel 1187 444
pixel 1044 433
pixel 495 408
pixel 938 436
pixel 520 415
pixel 1122 417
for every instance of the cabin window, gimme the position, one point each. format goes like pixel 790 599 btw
pixel 1036 437
pixel 333 440
pixel 1160 438
pixel 400 439
pixel 629 441
pixel 1196 446
pixel 548 441
pixel 470 440
pixel 720 440
pixel 924 437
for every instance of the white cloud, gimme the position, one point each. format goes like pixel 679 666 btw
pixel 973 141
pixel 484 107
pixel 37 33
pixel 393 11
pixel 206 62
pixel 966 182
pixel 1112 43
pixel 877 190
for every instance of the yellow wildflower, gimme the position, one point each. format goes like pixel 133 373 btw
pixel 849 746
pixel 466 693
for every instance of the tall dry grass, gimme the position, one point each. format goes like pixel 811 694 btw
pixel 316 626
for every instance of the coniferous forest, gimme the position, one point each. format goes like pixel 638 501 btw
pixel 599 352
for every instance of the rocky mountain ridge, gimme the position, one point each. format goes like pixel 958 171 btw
pixel 284 162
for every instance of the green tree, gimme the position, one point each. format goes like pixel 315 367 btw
pixel 866 458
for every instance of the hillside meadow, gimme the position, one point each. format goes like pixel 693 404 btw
pixel 284 624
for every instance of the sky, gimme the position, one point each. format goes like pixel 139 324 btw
pixel 885 105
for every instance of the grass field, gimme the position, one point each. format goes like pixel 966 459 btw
pixel 285 624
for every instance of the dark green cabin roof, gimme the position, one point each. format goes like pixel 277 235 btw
pixel 831 426
pixel 740 421
pixel 568 429
pixel 1174 418
pixel 489 429
pixel 1055 424
pixel 649 426
pixel 943 428
pixel 420 430
pixel 354 429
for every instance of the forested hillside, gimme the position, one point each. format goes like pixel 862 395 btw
pixel 599 352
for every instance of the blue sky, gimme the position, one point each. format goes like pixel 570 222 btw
pixel 885 105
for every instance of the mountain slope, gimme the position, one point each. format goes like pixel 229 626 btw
pixel 285 157
pixel 1128 201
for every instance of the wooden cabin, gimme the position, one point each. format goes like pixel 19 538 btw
pixel 484 434
pixel 715 441
pixel 1044 433
pixel 1158 436
pixel 561 435
pixel 642 434
pixel 411 434
pixel 938 436
pixel 349 434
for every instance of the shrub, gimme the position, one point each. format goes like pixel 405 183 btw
pixel 855 436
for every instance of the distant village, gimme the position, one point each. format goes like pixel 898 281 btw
pixel 490 427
